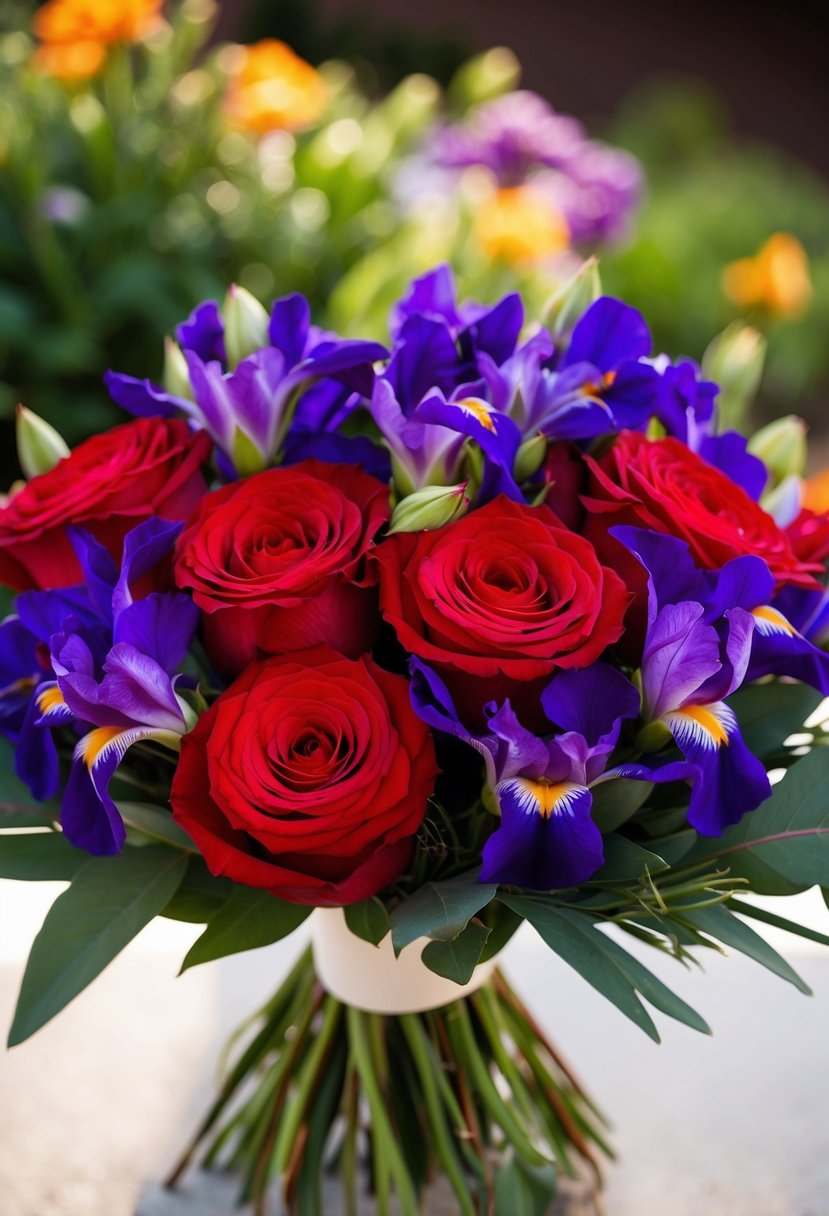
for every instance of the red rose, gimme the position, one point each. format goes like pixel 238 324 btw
pixel 277 562
pixel 663 485
pixel 498 601
pixel 107 485
pixel 309 777
pixel 809 535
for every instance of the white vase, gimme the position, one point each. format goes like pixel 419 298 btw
pixel 371 978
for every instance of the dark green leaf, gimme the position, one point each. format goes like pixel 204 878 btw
pixel 457 959
pixel 156 824
pixel 769 713
pixel 247 919
pixel 613 972
pixel 18 809
pixel 614 802
pixel 524 1190
pixel 110 900
pixel 626 862
pixel 39 857
pixel 439 910
pixel 721 924
pixel 779 922
pixel 368 920
pixel 783 846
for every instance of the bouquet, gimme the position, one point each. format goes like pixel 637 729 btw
pixel 489 627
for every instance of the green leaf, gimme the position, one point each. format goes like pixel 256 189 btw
pixel 779 922
pixel 18 809
pixel 110 900
pixel 718 922
pixel 39 857
pixel 524 1190
pixel 783 846
pixel 368 920
pixel 457 959
pixel 617 975
pixel 626 862
pixel 614 802
pixel 156 824
pixel 769 713
pixel 440 910
pixel 247 919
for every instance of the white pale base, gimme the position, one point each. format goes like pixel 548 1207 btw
pixel 370 978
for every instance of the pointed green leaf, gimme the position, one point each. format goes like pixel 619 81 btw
pixel 110 900
pixel 721 924
pixel 368 920
pixel 248 918
pixel 779 922
pixel 626 862
pixel 785 842
pixel 575 937
pixel 524 1190
pixel 614 802
pixel 155 823
pixel 440 910
pixel 39 857
pixel 457 959
pixel 769 713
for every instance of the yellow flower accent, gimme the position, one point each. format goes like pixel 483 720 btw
pixel 50 698
pixel 519 226
pixel 479 410
pixel 546 795
pixel 273 89
pixel 708 721
pixel 97 741
pixel 74 34
pixel 816 493
pixel 776 279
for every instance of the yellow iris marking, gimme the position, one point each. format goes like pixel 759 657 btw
pixel 50 698
pixel 96 741
pixel 479 410
pixel 546 794
pixel 775 618
pixel 591 389
pixel 709 722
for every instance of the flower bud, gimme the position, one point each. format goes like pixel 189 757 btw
pixel 734 361
pixel 175 376
pixel 782 447
pixel 485 76
pixel 784 501
pixel 571 301
pixel 245 323
pixel 246 456
pixel 430 508
pixel 530 457
pixel 39 446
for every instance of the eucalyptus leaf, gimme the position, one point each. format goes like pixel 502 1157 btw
pixel 617 975
pixel 368 920
pixel 783 846
pixel 457 959
pixel 439 910
pixel 156 824
pixel 109 902
pixel 727 928
pixel 769 713
pixel 626 862
pixel 614 802
pixel 247 919
pixel 39 857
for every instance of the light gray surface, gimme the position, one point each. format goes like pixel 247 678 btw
pixel 102 1099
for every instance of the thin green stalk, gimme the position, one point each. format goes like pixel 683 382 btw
pixel 305 1083
pixel 383 1133
pixel 445 1149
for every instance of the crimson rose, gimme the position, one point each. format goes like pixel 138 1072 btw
pixel 308 777
pixel 277 562
pixel 498 601
pixel 107 485
pixel 662 484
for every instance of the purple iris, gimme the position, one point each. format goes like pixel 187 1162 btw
pixel 248 411
pixel 107 663
pixel 546 837
pixel 708 633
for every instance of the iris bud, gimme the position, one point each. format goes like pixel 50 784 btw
pixel 39 446
pixel 245 324
pixel 782 447
pixel 430 508
pixel 569 304
pixel 734 361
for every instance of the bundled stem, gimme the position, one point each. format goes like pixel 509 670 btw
pixel 472 1093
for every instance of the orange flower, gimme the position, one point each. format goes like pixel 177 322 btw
pixel 270 88
pixel 816 493
pixel 74 34
pixel 776 279
pixel 518 225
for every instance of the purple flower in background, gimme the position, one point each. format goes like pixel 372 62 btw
pixel 521 139
pixel 547 838
pixel 248 410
